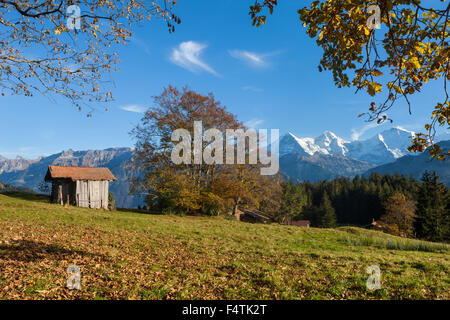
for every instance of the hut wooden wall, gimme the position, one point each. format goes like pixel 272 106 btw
pixel 63 192
pixel 82 193
pixel 92 194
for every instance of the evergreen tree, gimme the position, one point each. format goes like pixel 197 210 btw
pixel 293 200
pixel 433 209
pixel 328 215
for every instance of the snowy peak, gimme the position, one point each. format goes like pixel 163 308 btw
pixel 289 143
pixel 332 143
pixel 397 140
pixel 382 148
pixel 327 143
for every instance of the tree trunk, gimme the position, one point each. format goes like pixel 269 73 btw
pixel 236 204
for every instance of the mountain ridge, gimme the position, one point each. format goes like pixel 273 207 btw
pixel 381 148
pixel 30 173
pixel 416 165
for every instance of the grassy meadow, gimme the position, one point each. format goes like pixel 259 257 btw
pixel 130 255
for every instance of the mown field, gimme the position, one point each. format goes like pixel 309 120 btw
pixel 127 255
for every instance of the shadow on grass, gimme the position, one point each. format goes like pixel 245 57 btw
pixel 128 210
pixel 31 251
pixel 27 196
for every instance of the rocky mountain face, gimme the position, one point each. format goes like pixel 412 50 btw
pixel 320 167
pixel 30 173
pixel 8 165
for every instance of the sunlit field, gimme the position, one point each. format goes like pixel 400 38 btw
pixel 130 255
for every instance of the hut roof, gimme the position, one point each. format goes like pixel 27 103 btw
pixel 79 173
pixel 257 215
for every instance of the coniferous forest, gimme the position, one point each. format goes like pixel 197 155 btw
pixel 360 201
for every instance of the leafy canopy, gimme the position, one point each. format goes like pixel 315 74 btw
pixel 40 54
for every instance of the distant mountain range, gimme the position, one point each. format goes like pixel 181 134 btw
pixel 416 165
pixel 382 148
pixel 329 156
pixel 323 158
pixel 30 173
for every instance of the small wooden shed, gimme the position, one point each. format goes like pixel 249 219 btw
pixel 254 216
pixel 80 186
pixel 299 223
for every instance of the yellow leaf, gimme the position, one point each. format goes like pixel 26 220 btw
pixel 366 31
pixel 321 35
pixel 377 86
pixel 376 73
pixel 415 62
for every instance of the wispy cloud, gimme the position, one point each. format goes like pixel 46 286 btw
pixel 252 58
pixel 141 44
pixel 254 123
pixel 411 126
pixel 23 152
pixel 358 132
pixel 252 88
pixel 133 108
pixel 188 55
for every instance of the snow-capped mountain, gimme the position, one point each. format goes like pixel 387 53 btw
pixel 384 147
pixel 327 143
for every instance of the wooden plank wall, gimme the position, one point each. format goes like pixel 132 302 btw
pixel 105 194
pixel 92 194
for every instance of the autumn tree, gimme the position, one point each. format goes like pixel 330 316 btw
pixel 409 51
pixel 209 188
pixel 66 47
pixel 399 215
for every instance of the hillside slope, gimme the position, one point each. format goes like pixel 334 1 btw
pixel 320 167
pixel 416 165
pixel 130 255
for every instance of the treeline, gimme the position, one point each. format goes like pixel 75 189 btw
pixel 402 205
pixel 359 200
pixel 10 188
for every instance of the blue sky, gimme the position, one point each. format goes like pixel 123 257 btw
pixel 267 76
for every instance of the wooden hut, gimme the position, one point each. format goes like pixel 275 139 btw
pixel 80 186
pixel 299 223
pixel 254 216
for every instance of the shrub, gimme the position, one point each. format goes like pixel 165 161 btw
pixel 111 202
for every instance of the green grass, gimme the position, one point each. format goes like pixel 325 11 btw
pixel 129 255
pixel 377 239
